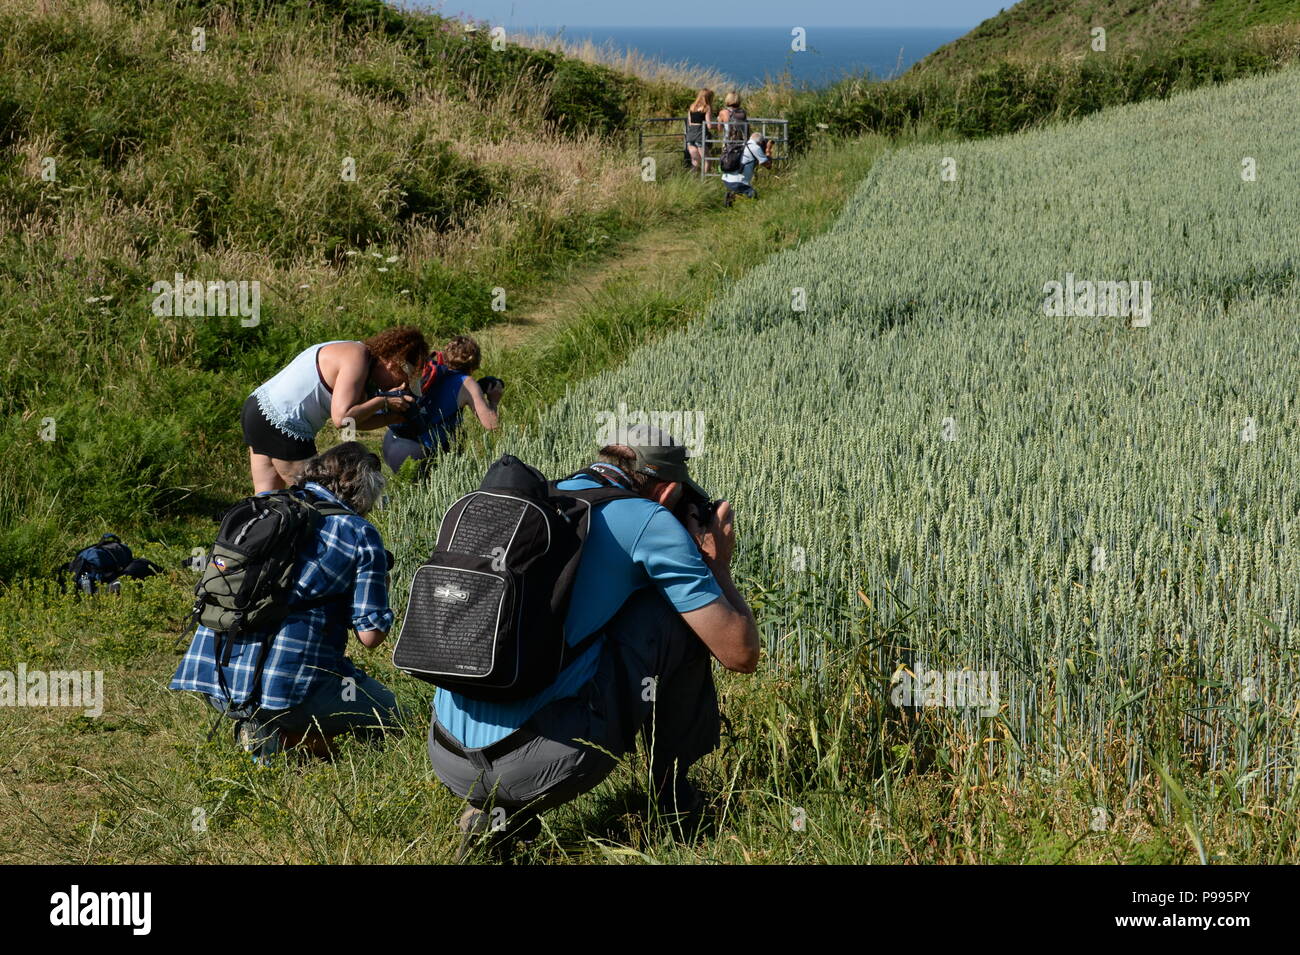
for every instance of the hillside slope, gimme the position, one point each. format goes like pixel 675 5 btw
pixel 1049 29
pixel 363 166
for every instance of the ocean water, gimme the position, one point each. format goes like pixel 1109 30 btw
pixel 748 55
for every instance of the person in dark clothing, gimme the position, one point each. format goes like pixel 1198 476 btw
pixel 698 116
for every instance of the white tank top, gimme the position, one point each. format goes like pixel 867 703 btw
pixel 296 400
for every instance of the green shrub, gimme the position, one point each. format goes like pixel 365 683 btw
pixel 1007 97
pixel 587 97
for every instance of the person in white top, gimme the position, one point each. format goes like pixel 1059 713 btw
pixel 330 382
pixel 757 152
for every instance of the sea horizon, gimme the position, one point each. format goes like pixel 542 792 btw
pixel 749 55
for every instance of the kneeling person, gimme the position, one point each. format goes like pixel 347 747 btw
pixel 448 386
pixel 661 597
pixel 297 684
pixel 757 152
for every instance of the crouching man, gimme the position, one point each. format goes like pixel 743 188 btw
pixel 657 587
pixel 295 684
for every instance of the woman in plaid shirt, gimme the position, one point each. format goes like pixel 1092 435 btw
pixel 311 691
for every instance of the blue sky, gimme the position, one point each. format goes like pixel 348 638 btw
pixel 522 14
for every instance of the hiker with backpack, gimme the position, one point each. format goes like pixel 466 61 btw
pixel 733 119
pixel 560 619
pixel 367 384
pixel 447 385
pixel 291 571
pixel 739 160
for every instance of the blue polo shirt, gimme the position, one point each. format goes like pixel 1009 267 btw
pixel 633 543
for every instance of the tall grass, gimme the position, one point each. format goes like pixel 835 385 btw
pixel 627 60
pixel 474 169
pixel 71 798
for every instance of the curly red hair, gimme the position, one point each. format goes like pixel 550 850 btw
pixel 404 343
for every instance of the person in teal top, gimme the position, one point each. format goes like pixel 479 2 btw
pixel 659 590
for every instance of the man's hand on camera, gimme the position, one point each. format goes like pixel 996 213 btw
pixel 717 541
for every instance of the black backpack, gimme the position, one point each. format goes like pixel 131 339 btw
pixel 486 612
pixel 106 563
pixel 733 157
pixel 249 575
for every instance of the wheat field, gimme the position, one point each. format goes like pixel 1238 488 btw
pixel 933 474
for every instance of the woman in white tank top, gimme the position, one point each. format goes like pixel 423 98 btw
pixel 324 383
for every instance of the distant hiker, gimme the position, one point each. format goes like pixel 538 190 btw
pixel 698 115
pixel 738 164
pixel 651 601
pixel 734 119
pixel 446 387
pixel 329 382
pixel 291 681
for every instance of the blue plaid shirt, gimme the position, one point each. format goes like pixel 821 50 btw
pixel 311 645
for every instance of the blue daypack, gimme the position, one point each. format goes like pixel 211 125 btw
pixel 106 563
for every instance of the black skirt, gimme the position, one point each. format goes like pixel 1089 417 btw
pixel 265 438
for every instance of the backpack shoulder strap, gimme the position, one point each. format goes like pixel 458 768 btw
pixel 327 508
pixel 434 370
pixel 609 490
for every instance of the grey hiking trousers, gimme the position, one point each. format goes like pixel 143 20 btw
pixel 655 676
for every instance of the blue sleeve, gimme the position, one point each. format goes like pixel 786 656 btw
pixel 670 558
pixel 370 610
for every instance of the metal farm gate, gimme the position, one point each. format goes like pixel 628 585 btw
pixel 661 136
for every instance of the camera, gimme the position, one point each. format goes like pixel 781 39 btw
pixel 412 413
pixel 699 505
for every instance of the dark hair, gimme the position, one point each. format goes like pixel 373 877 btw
pixel 350 471
pixel 404 343
pixel 622 457
pixel 462 354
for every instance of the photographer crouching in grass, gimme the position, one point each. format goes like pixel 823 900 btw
pixel 653 589
pixel 274 657
pixel 447 386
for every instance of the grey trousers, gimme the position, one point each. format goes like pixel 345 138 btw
pixel 655 676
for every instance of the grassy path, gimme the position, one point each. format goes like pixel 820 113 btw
pixel 127 785
pixel 661 248
pixel 593 318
